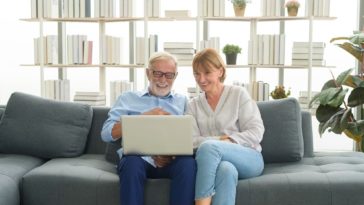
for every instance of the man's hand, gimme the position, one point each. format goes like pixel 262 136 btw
pixel 162 161
pixel 116 130
pixel 156 111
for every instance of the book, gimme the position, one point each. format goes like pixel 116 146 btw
pixel 305 62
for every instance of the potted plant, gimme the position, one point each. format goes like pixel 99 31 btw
pixel 231 52
pixel 279 92
pixel 239 6
pixel 292 7
pixel 340 95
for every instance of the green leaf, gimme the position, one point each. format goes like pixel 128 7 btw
pixel 340 80
pixel 346 118
pixel 329 84
pixel 356 97
pixel 332 96
pixel 325 112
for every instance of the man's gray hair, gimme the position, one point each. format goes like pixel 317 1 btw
pixel 161 56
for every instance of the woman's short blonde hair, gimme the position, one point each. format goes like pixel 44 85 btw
pixel 208 60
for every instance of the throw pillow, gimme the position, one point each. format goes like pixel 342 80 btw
pixel 44 128
pixel 282 140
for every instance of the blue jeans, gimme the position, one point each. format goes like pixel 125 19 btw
pixel 220 165
pixel 133 172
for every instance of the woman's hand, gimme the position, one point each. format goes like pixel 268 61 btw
pixel 226 138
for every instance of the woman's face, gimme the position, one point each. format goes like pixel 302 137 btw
pixel 208 78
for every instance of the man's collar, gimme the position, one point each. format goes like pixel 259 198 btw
pixel 147 93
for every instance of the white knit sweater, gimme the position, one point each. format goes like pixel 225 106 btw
pixel 236 115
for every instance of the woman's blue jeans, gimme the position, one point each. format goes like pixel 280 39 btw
pixel 220 165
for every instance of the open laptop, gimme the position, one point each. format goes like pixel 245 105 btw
pixel 157 134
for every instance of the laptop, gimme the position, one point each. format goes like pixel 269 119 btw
pixel 157 134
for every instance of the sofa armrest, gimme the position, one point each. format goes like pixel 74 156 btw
pixel 307 134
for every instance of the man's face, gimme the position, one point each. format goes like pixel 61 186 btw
pixel 161 77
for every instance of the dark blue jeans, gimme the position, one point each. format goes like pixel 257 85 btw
pixel 133 172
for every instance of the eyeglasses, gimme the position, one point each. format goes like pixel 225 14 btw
pixel 159 74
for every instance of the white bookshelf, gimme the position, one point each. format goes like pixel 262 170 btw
pixel 197 22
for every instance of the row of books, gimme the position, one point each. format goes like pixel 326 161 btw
pixel 57 90
pixel 117 88
pixel 271 7
pixel 258 90
pixel 212 8
pixel 213 42
pixel 140 52
pixel 111 50
pixel 317 8
pixel 107 8
pixel 79 50
pixel 301 53
pixel 90 98
pixel 127 8
pixel 69 8
pixel 267 49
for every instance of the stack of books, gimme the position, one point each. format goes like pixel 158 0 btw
pixel 177 13
pixel 183 51
pixel 301 52
pixel 90 98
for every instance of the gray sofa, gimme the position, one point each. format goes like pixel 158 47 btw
pixel 51 153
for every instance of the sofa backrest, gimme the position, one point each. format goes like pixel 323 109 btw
pixel 288 135
pixel 94 144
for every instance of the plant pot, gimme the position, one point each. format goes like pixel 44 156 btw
pixel 231 58
pixel 292 11
pixel 239 11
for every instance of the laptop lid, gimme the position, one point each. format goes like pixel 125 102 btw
pixel 157 134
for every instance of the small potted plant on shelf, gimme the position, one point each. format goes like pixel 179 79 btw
pixel 239 6
pixel 335 110
pixel 292 7
pixel 231 52
pixel 279 92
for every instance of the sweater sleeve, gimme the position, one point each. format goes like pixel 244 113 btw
pixel 197 137
pixel 250 123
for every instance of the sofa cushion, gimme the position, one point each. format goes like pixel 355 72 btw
pixel 12 169
pixel 282 140
pixel 44 128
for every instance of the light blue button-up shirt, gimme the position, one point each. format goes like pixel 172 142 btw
pixel 135 103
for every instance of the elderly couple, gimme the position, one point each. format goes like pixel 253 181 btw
pixel 228 130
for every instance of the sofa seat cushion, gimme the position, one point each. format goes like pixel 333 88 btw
pixel 12 169
pixel 88 179
pixel 44 128
pixel 326 179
